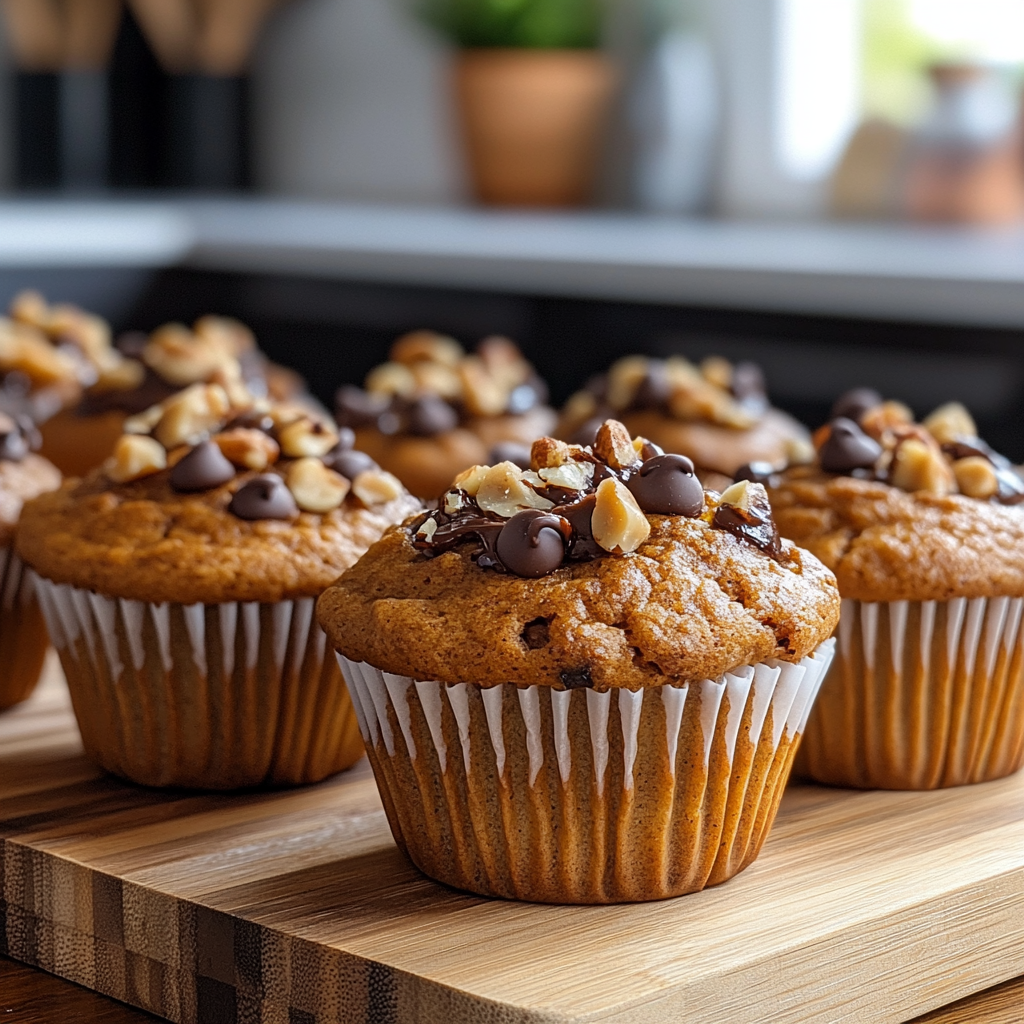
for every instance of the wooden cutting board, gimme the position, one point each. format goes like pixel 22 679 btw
pixel 295 906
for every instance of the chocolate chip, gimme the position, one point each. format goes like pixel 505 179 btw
pixel 532 543
pixel 429 416
pixel 853 404
pixel 666 486
pixel 749 526
pixel 582 546
pixel 17 384
pixel 576 678
pixel 203 468
pixel 13 446
pixel 848 448
pixel 1011 486
pixel 350 463
pixel 756 472
pixel 263 497
pixel 389 422
pixel 522 398
pixel 747 381
pixel 253 421
pixel 536 634
pixel 654 389
pixel 357 408
pixel 510 451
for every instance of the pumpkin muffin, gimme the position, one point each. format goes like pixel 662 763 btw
pixel 23 642
pixel 920 524
pixel 178 582
pixel 217 350
pixel 584 682
pixel 433 411
pixel 715 413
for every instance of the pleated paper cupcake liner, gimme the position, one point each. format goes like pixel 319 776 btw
pixel 574 796
pixel 23 639
pixel 922 695
pixel 216 696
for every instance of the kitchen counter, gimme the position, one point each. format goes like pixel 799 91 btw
pixel 891 272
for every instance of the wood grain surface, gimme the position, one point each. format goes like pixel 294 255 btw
pixel 28 996
pixel 296 906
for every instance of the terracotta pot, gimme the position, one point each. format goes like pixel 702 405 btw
pixel 532 122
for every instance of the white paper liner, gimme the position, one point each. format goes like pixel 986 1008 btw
pixel 921 695
pixel 217 696
pixel 579 796
pixel 23 639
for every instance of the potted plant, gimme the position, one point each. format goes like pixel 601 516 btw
pixel 533 91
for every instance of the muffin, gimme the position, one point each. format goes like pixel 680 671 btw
pixel 584 682
pixel 717 413
pixel 217 350
pixel 433 411
pixel 178 583
pixel 920 524
pixel 23 642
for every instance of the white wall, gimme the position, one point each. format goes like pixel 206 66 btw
pixel 350 100
pixel 775 116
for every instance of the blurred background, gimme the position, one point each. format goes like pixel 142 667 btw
pixel 834 188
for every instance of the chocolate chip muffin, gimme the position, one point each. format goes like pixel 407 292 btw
pixel 923 526
pixel 148 370
pixel 583 682
pixel 433 411
pixel 23 642
pixel 717 413
pixel 179 580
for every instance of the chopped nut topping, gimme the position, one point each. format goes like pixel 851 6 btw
pixel 315 487
pixel 248 449
pixel 717 371
pixel 375 487
pixel 469 480
pixel 618 523
pixel 134 457
pixel 950 422
pixel 624 378
pixel 504 491
pixel 192 414
pixel 180 357
pixel 917 466
pixel 482 394
pixel 426 347
pixel 143 422
pixel 738 494
pixel 306 436
pixel 615 446
pixel 391 379
pixel 976 477
pixel 546 451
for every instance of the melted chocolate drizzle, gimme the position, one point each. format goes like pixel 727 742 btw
pixel 528 546
pixel 751 527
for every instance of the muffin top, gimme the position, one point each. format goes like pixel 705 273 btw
pixel 717 412
pixel 431 386
pixel 215 496
pixel 216 350
pixel 902 510
pixel 23 474
pixel 50 353
pixel 604 566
